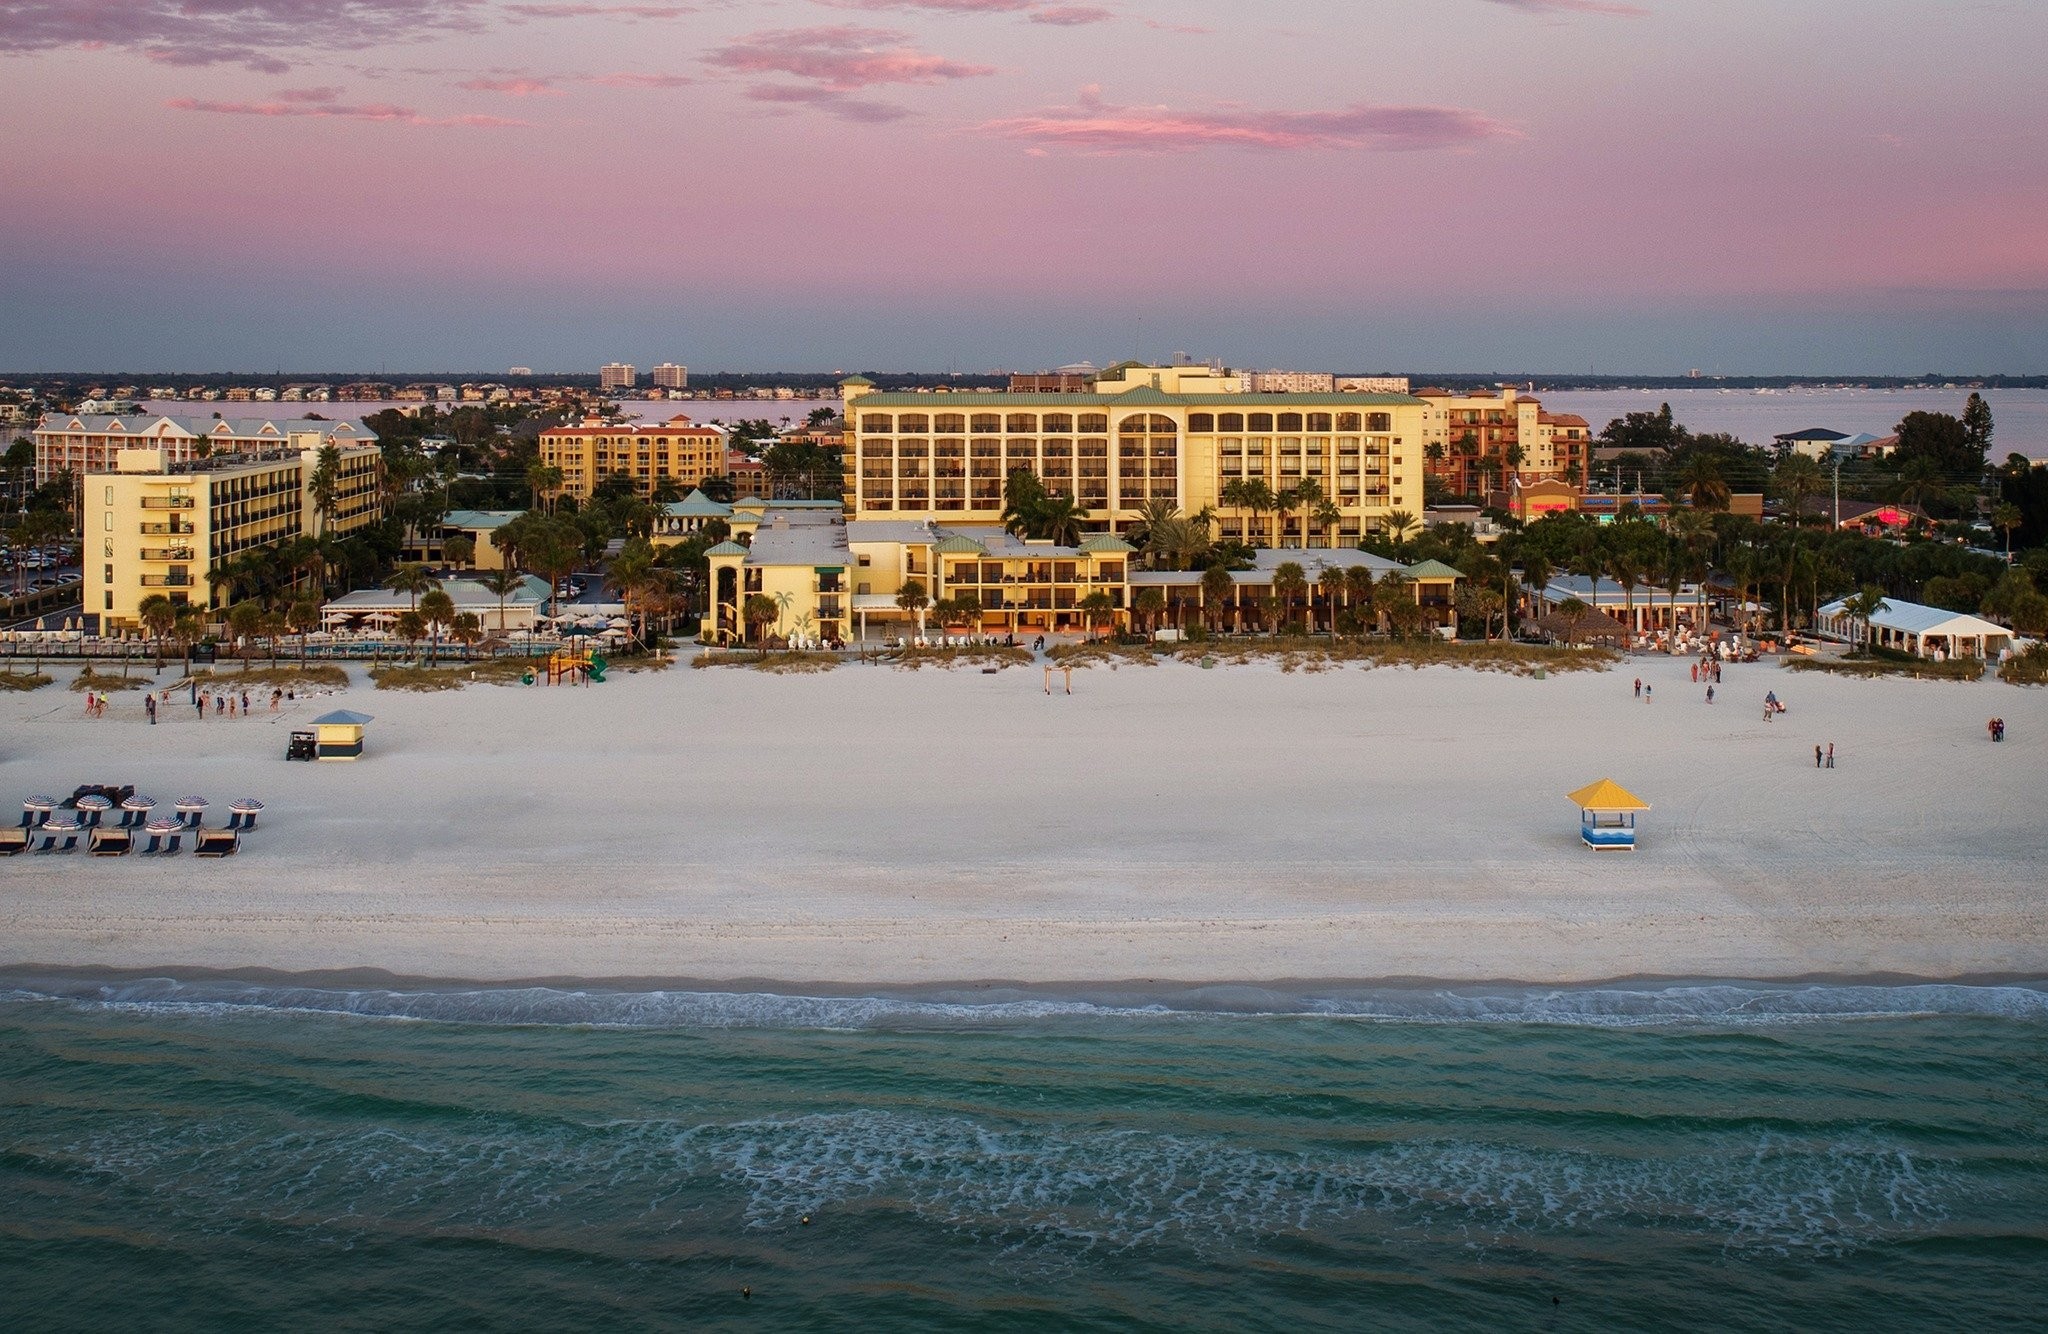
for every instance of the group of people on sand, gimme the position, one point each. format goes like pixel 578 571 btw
pixel 1828 756
pixel 1707 669
pixel 1997 729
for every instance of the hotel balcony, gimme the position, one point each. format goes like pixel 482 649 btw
pixel 166 581
pixel 167 502
pixel 171 529
pixel 165 555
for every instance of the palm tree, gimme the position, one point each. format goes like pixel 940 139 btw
pixel 1699 477
pixel 410 627
pixel 1024 500
pixel 186 631
pixel 1148 603
pixel 543 480
pixel 437 609
pixel 1096 604
pixel 245 622
pixel 2007 516
pixel 1217 587
pixel 504 583
pixel 1060 520
pixel 1290 581
pixel 1797 478
pixel 1625 569
pixel 413 578
pixel 759 612
pixel 1332 583
pixel 302 618
pixel 1867 602
pixel 913 600
pixel 1358 581
pixel 1574 611
pixel 459 551
pixel 324 485
pixel 467 631
pixel 1400 523
pixel 158 615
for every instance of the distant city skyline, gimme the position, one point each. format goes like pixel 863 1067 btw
pixel 1548 186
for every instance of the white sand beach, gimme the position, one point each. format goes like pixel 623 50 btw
pixel 874 826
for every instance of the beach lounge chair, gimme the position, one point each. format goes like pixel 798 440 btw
pixel 110 842
pixel 50 843
pixel 215 843
pixel 171 845
pixel 13 842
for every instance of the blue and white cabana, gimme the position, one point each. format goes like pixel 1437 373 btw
pixel 1607 816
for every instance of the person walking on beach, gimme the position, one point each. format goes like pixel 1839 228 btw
pixel 246 710
pixel 1695 673
pixel 149 708
pixel 1831 754
pixel 200 705
pixel 1816 757
pixel 1639 687
pixel 1648 693
pixel 1710 694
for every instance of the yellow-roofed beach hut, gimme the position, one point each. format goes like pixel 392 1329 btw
pixel 1607 816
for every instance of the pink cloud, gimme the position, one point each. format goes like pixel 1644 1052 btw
pixel 521 87
pixel 942 6
pixel 642 80
pixel 1094 126
pixel 832 103
pixel 293 103
pixel 262 34
pixel 844 59
pixel 575 11
pixel 1604 7
pixel 1071 16
pixel 321 94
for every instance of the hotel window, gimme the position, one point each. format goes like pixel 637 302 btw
pixel 1201 423
pixel 1318 421
pixel 1094 423
pixel 1290 421
pixel 950 423
pixel 1230 421
pixel 1379 422
pixel 877 424
pixel 987 423
pixel 1262 421
pixel 1022 423
pixel 1059 423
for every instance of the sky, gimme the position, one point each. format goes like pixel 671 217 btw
pixel 1620 186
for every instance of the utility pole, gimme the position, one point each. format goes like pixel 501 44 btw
pixel 1838 494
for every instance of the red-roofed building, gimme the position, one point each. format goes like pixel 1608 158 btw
pixel 676 449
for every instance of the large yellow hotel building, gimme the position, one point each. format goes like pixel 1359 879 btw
pixel 1179 434
pixel 155 525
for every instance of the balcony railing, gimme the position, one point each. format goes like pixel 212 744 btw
pixel 172 529
pixel 167 502
pixel 166 581
pixel 166 553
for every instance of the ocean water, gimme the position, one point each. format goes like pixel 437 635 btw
pixel 208 1155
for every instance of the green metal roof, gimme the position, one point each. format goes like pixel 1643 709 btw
pixel 726 549
pixel 479 520
pixel 1433 569
pixel 957 545
pixel 858 381
pixel 1105 542
pixel 697 505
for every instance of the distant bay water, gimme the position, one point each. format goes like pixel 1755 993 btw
pixel 198 1155
pixel 1755 416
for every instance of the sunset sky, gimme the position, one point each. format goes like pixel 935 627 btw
pixel 1748 186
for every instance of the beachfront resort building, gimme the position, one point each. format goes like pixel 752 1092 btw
pixel 829 579
pixel 1145 434
pixel 378 609
pixel 79 444
pixel 677 450
pixel 156 526
pixel 1488 437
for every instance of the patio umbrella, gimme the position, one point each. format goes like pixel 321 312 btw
pixel 244 811
pixel 61 824
pixel 165 825
pixel 39 802
pixel 93 801
pixel 191 803
pixel 139 803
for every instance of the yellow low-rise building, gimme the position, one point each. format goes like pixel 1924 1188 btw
pixel 157 526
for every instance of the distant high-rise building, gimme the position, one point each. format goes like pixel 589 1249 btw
pixel 617 375
pixel 1373 384
pixel 668 375
pixel 520 370
pixel 1290 382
